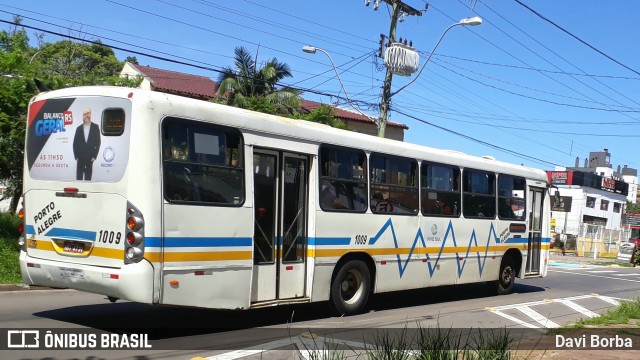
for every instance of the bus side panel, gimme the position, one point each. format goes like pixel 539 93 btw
pixel 207 255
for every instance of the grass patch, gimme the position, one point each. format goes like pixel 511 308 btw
pixel 9 249
pixel 619 315
pixel 9 265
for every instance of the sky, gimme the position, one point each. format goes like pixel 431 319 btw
pixel 535 89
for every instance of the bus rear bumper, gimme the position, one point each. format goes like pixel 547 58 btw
pixel 132 282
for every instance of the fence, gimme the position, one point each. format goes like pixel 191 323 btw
pixel 592 240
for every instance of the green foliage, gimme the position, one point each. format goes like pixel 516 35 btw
pixel 9 226
pixel 323 114
pixel 250 87
pixel 633 208
pixel 58 64
pixel 9 249
pixel 618 315
pixel 9 261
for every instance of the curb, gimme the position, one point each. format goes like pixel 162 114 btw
pixel 24 287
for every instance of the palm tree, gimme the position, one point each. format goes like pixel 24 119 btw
pixel 248 87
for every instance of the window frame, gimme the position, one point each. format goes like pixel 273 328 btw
pixel 374 185
pixel 524 197
pixel 465 194
pixel 425 190
pixel 322 178
pixel 190 126
pixel 593 202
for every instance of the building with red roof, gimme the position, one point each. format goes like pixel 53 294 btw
pixel 203 88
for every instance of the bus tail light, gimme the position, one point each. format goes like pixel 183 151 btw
pixel 21 241
pixel 134 230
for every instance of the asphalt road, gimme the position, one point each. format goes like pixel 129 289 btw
pixel 566 295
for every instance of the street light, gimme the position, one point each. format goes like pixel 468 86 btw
pixel 312 50
pixel 472 21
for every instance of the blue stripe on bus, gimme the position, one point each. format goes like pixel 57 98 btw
pixel 30 230
pixel 329 241
pixel 72 234
pixel 197 241
pixel 523 240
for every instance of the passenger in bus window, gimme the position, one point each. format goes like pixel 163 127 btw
pixel 330 197
pixel 86 145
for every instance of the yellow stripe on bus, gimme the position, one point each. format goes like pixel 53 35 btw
pixel 198 256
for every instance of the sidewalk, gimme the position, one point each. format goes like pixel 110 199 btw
pixel 572 260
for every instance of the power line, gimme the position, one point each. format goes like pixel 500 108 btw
pixel 213 68
pixel 526 87
pixel 494 146
pixel 535 69
pixel 538 99
pixel 245 15
pixel 577 38
pixel 561 57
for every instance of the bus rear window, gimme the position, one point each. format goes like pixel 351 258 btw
pixel 112 122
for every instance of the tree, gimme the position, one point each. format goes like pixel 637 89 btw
pixel 58 64
pixel 248 87
pixel 16 88
pixel 324 114
pixel 632 208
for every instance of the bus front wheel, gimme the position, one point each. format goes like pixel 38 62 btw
pixel 350 287
pixel 506 277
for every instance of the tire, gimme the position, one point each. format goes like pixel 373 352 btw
pixel 506 277
pixel 350 288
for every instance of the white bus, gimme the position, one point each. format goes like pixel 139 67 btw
pixel 163 199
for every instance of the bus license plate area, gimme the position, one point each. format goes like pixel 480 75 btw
pixel 71 273
pixel 73 247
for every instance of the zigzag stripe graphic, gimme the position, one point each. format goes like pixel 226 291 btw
pixel 402 265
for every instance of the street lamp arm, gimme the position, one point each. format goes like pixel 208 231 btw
pixel 312 50
pixel 425 62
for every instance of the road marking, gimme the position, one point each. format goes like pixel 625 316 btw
pixel 584 311
pixel 593 275
pixel 537 317
pixel 546 323
pixel 515 319
pixel 628 274
pixel 601 271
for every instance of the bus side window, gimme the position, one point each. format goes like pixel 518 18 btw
pixel 202 163
pixel 343 184
pixel 440 189
pixel 394 185
pixel 479 189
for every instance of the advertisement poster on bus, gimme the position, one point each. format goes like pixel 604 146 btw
pixel 81 139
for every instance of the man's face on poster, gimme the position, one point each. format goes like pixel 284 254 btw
pixel 86 116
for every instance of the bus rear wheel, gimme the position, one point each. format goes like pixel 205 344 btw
pixel 350 287
pixel 506 277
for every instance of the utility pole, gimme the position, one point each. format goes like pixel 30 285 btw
pixel 398 8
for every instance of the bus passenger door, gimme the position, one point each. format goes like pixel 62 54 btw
pixel 280 225
pixel 535 231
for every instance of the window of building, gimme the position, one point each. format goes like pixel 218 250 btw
pixel 479 194
pixel 604 205
pixel 440 190
pixel 591 202
pixel 394 185
pixel 202 163
pixel 617 207
pixel 511 200
pixel 343 179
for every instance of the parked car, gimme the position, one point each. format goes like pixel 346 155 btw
pixel 625 252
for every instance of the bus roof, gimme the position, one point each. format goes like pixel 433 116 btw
pixel 301 130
